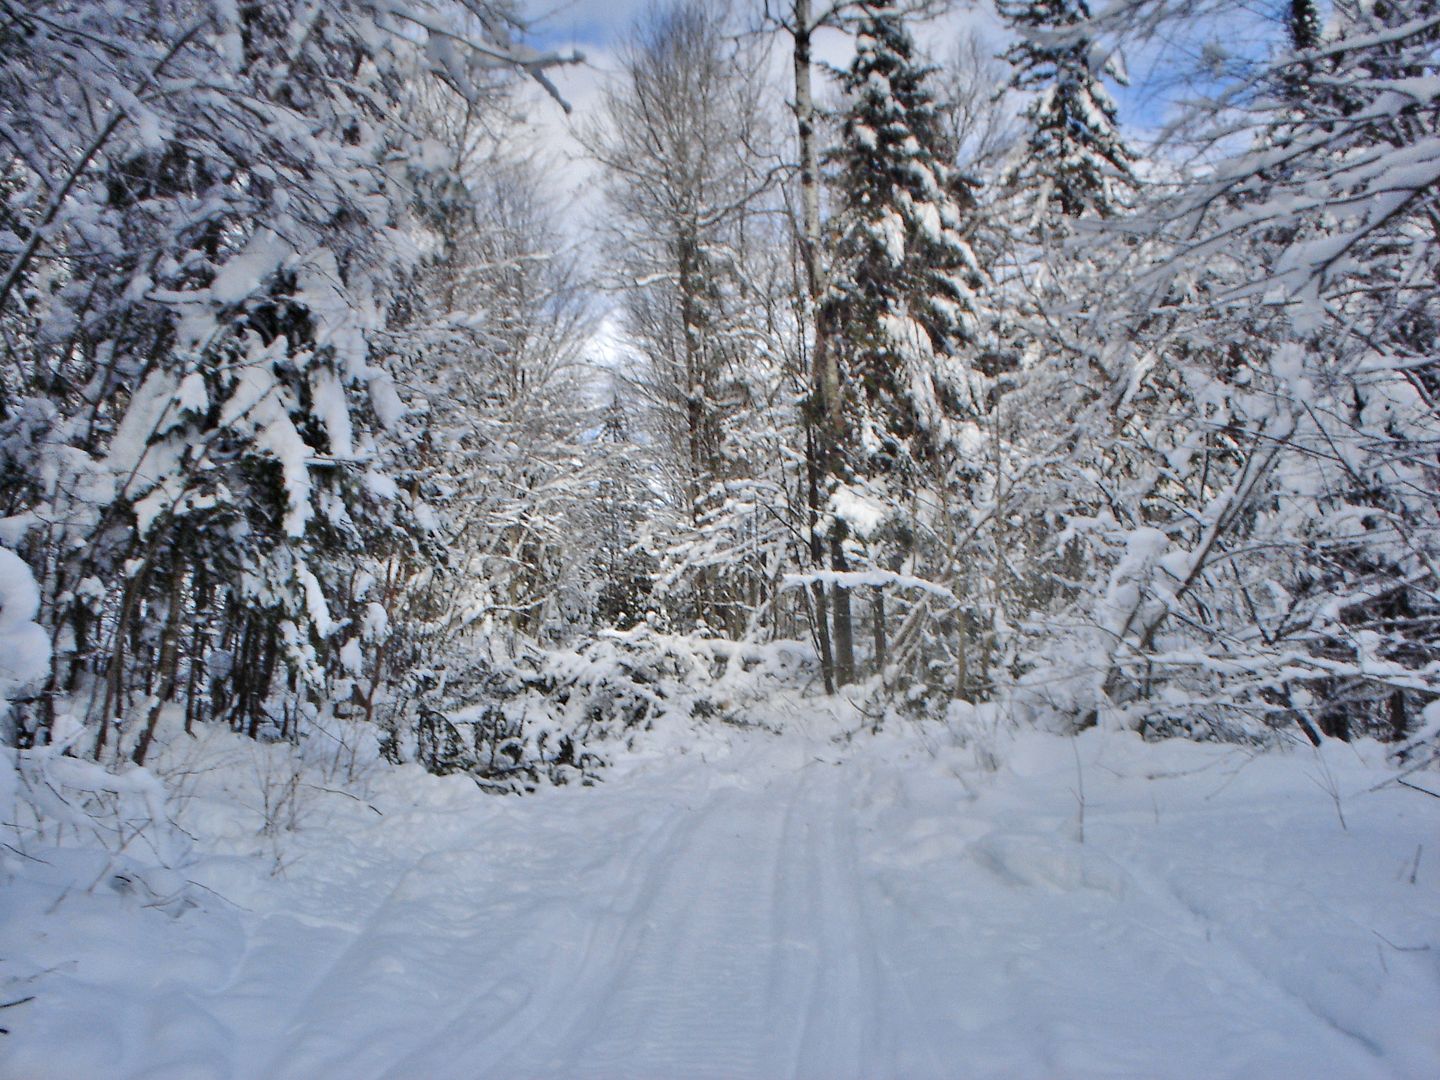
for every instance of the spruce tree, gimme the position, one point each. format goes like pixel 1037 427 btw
pixel 1074 161
pixel 1303 24
pixel 899 307
pixel 902 295
pixel 624 570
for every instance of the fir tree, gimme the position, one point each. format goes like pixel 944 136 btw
pixel 1303 24
pixel 1074 160
pixel 625 570
pixel 902 296
pixel 899 307
pixel 1296 79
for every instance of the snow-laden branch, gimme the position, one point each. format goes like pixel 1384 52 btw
pixel 878 579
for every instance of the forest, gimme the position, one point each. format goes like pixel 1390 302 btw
pixel 970 400
pixel 964 373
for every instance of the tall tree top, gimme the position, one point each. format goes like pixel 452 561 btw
pixel 1074 162
pixel 1304 25
pixel 902 290
pixel 900 222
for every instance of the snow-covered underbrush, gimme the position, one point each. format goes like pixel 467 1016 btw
pixel 83 826
pixel 108 867
pixel 79 825
pixel 517 720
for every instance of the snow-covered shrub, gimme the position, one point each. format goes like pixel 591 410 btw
pixel 24 648
pixel 516 720
pixel 94 827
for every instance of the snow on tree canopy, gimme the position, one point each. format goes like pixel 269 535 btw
pixel 1074 161
pixel 902 292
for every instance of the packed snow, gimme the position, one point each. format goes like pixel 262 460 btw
pixel 758 905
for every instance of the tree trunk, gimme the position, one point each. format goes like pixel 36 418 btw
pixel 817 559
pixel 115 675
pixel 844 623
pixel 168 666
pixel 824 416
pixel 260 688
pixel 877 630
pixel 695 383
pixel 809 151
pixel 200 605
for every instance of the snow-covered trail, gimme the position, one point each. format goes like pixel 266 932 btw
pixel 707 922
pixel 792 910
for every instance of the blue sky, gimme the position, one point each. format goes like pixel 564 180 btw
pixel 586 23
pixel 599 24
pixel 596 26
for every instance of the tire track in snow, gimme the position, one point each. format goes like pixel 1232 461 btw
pixel 689 986
pixel 444 930
pixel 300 1042
pixel 840 1029
pixel 910 1048
pixel 739 921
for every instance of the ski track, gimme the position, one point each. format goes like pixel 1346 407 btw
pixel 783 914
pixel 754 920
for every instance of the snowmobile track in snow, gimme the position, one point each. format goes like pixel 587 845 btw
pixel 794 910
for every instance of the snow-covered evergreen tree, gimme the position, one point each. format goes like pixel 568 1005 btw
pixel 624 569
pixel 1304 24
pixel 202 230
pixel 902 291
pixel 1074 161
pixel 901 317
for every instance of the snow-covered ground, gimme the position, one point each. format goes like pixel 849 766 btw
pixel 763 906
